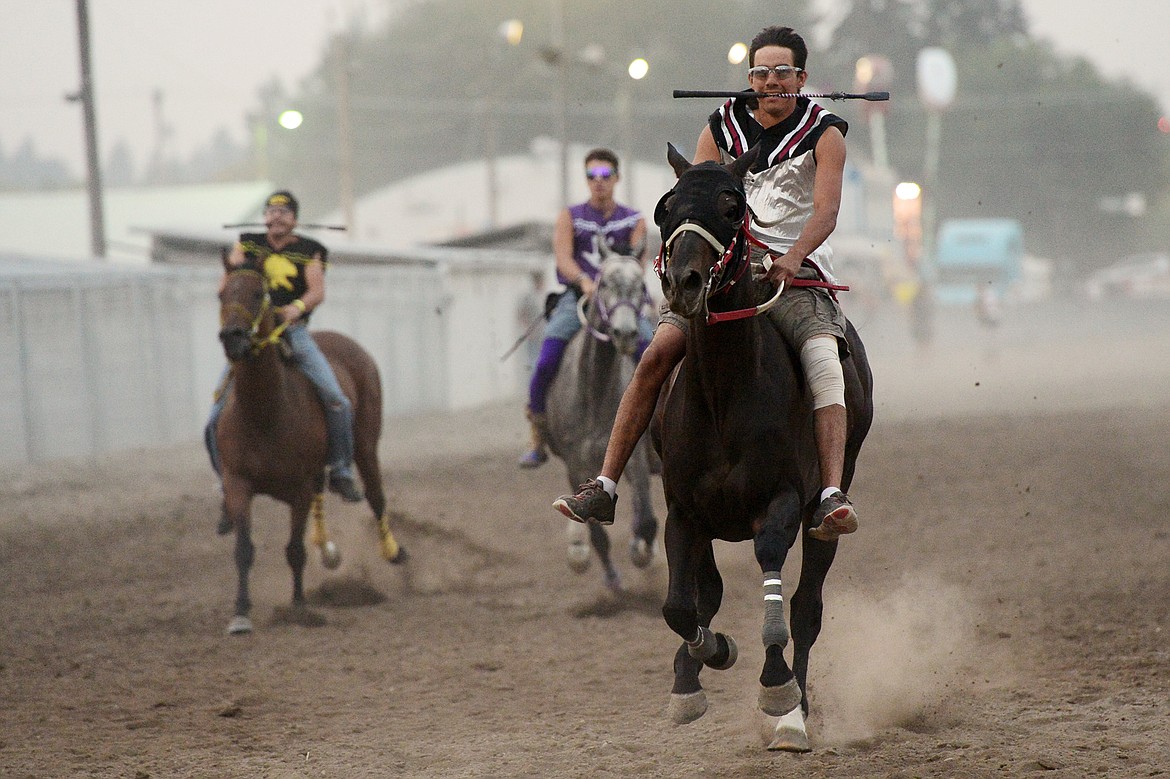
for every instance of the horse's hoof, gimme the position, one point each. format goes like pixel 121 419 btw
pixel 732 654
pixel 578 555
pixel 399 557
pixel 239 626
pixel 641 552
pixel 684 709
pixel 790 735
pixel 330 556
pixel 778 701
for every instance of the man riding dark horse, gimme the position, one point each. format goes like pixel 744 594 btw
pixel 793 193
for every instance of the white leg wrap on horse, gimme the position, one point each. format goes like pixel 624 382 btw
pixel 822 367
pixel 704 646
pixel 775 627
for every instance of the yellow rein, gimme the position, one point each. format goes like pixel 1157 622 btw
pixel 258 344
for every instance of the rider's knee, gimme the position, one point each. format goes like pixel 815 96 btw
pixel 822 369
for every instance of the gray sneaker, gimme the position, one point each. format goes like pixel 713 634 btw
pixel 591 502
pixel 834 518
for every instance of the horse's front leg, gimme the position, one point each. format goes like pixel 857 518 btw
pixel 237 496
pixel 294 551
pixel 645 523
pixel 808 604
pixel 780 692
pixel 693 595
pixel 599 539
pixel 806 608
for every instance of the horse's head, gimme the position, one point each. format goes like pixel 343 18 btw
pixel 617 299
pixel 244 306
pixel 699 219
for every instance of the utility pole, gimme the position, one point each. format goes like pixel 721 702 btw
pixel 562 93
pixel 97 220
pixel 345 135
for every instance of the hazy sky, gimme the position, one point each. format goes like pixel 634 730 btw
pixel 209 56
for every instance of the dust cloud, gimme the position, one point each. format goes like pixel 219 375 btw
pixel 892 659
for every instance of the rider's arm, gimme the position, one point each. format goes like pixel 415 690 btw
pixel 638 242
pixel 830 157
pixel 563 251
pixel 314 292
pixel 706 150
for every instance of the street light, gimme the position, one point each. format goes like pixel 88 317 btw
pixel 637 70
pixel 290 119
pixel 875 72
pixel 511 31
pixel 735 55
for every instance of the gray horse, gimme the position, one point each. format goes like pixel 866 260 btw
pixel 583 401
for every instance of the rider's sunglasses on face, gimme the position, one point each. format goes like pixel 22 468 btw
pixel 278 211
pixel 599 172
pixel 760 72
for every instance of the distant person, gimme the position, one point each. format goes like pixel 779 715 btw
pixel 294 268
pixel 576 235
pixel 793 194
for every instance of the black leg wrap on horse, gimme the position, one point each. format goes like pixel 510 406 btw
pixel 704 646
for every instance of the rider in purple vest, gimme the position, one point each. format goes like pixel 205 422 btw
pixel 576 236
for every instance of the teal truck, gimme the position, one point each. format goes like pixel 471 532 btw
pixel 974 256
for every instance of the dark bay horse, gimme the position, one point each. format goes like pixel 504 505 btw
pixel 272 435
pixel 739 457
pixel 583 401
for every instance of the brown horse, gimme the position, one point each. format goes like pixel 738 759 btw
pixel 739 459
pixel 272 434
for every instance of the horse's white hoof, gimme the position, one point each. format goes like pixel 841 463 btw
pixel 641 553
pixel 684 709
pixel 578 553
pixel 330 556
pixel 578 556
pixel 778 701
pixel 239 625
pixel 790 735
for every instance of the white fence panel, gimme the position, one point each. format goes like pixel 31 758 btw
pixel 94 361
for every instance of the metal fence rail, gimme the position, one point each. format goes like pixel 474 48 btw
pixel 99 360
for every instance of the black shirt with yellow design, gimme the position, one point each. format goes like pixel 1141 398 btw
pixel 284 269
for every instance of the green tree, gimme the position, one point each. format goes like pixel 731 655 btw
pixel 422 90
pixel 1031 135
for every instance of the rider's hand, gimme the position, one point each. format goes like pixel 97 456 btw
pixel 782 271
pixel 289 313
pixel 587 286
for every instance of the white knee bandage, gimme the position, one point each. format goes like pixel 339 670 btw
pixel 822 367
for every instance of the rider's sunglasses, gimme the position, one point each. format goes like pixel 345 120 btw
pixel 599 172
pixel 278 210
pixel 782 71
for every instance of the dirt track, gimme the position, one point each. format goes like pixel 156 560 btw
pixel 1003 611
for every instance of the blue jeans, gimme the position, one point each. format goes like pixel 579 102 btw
pixel 306 355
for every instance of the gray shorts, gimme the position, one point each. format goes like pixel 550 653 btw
pixel 800 314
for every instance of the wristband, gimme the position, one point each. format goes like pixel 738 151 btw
pixel 300 304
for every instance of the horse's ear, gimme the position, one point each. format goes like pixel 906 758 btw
pixel 743 163
pixel 603 249
pixel 677 160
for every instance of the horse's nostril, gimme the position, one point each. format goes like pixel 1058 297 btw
pixel 692 282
